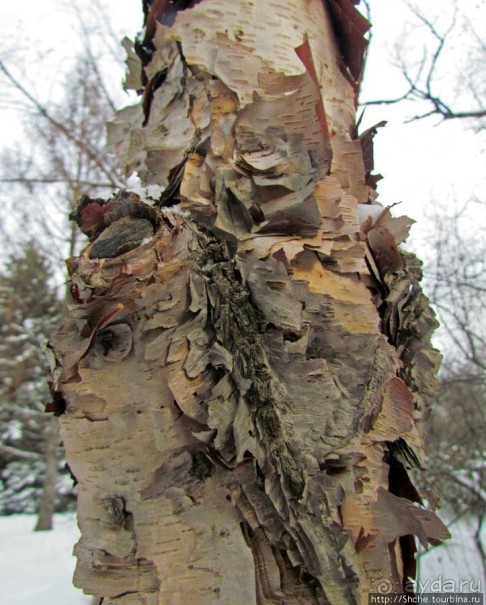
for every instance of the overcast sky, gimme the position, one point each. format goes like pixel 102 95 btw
pixel 424 162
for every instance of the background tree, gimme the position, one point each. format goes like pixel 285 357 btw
pixel 65 158
pixel 62 157
pixel 457 279
pixel 426 66
pixel 30 453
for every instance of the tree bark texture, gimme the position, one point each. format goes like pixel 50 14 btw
pixel 244 373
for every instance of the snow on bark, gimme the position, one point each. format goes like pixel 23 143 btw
pixel 244 382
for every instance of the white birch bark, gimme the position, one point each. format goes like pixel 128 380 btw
pixel 244 382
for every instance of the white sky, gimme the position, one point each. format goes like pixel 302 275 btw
pixel 426 162
pixel 423 162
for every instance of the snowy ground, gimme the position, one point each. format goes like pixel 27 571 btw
pixel 36 567
pixel 456 560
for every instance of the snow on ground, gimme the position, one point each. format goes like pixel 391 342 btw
pixel 36 568
pixel 457 559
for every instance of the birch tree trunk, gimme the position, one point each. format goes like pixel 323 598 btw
pixel 244 370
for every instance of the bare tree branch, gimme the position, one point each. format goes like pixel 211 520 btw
pixel 80 143
pixel 15 453
pixel 421 84
pixel 48 181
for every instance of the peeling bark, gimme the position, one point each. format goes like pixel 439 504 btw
pixel 244 382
